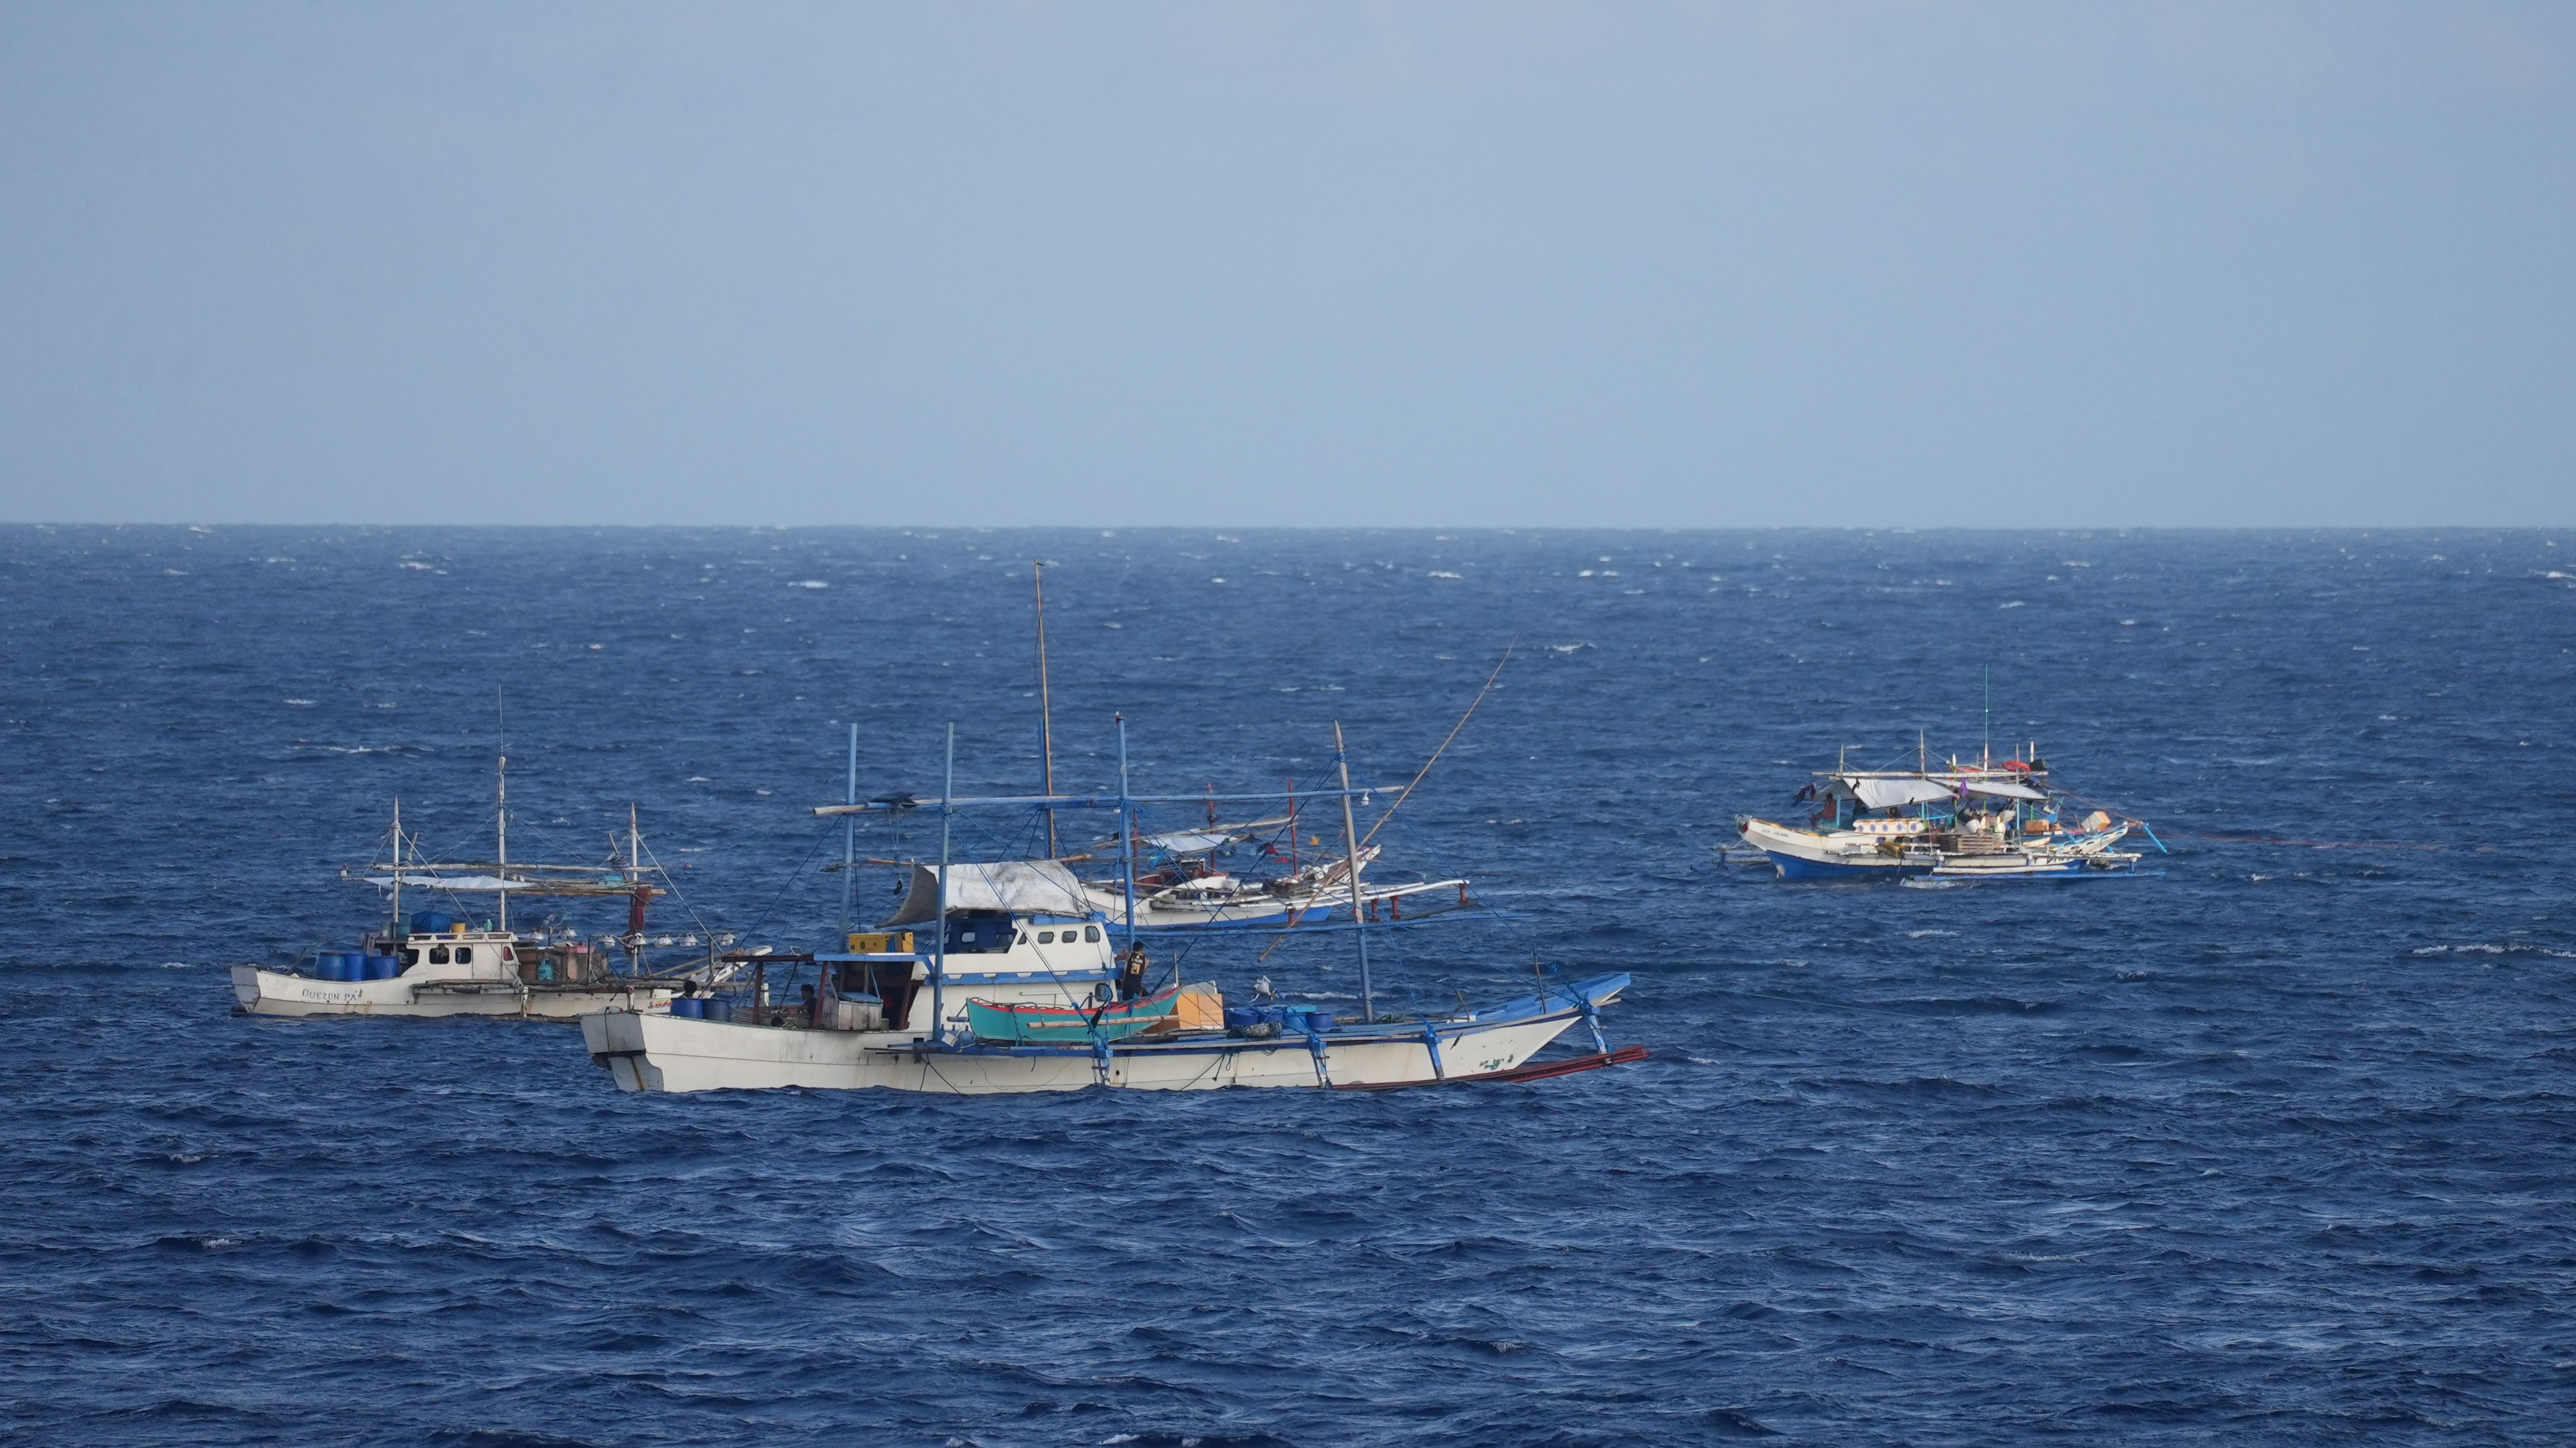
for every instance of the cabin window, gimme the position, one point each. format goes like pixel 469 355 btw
pixel 1024 937
pixel 410 958
pixel 465 955
pixel 508 954
pixel 438 955
pixel 1046 937
pixel 1091 932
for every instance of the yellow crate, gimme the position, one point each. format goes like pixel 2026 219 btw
pixel 882 943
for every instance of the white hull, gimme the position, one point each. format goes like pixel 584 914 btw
pixel 274 993
pixel 654 1052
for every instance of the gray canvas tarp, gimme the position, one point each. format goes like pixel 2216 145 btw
pixel 2006 791
pixel 1023 887
pixel 1885 793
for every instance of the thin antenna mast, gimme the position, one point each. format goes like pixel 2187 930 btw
pixel 1359 906
pixel 1046 706
pixel 1989 762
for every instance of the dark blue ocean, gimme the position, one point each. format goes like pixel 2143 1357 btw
pixel 2277 1145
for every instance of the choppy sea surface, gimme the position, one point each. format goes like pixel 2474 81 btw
pixel 2274 1145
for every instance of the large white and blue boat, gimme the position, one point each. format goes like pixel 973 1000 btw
pixel 1011 976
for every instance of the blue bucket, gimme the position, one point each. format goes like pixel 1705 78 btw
pixel 689 1008
pixel 383 967
pixel 1319 1021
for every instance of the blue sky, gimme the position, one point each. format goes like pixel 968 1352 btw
pixel 1438 265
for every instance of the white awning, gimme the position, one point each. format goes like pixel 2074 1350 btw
pixel 2005 791
pixel 1885 793
pixel 1188 842
pixel 1022 887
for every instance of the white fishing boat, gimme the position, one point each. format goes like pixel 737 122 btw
pixel 437 963
pixel 1972 819
pixel 456 970
pixel 1299 897
pixel 1015 941
pixel 1020 934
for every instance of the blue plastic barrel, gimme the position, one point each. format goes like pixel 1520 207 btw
pixel 719 1010
pixel 690 1007
pixel 382 967
pixel 1319 1021
pixel 331 965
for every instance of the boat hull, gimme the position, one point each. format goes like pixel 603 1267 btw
pixel 1806 855
pixel 645 1051
pixel 260 992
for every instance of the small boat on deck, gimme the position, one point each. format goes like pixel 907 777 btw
pixel 1006 1022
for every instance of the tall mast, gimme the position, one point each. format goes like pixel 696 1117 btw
pixel 1922 751
pixel 1126 838
pixel 634 872
pixel 501 805
pixel 1046 708
pixel 1989 761
pixel 850 836
pixel 1359 907
pixel 939 895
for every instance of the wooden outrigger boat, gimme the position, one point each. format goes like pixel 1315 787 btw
pixel 434 963
pixel 1977 819
pixel 1021 986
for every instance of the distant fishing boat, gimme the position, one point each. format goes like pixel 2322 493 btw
pixel 1021 985
pixel 1187 885
pixel 443 962
pixel 1959 820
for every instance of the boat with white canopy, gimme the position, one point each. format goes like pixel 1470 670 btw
pixel 1976 819
pixel 1011 976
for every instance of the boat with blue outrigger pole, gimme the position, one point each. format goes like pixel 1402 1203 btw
pixel 1026 983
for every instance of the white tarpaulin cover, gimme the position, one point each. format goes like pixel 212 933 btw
pixel 1883 793
pixel 493 884
pixel 1023 887
pixel 2006 791
pixel 1187 842
pixel 469 884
